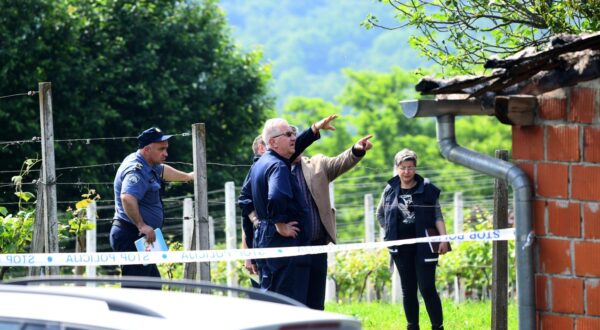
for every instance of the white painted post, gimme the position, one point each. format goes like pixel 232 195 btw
pixel 188 223
pixel 90 239
pixel 330 293
pixel 369 238
pixel 211 233
pixel 230 232
pixel 369 219
pixel 458 212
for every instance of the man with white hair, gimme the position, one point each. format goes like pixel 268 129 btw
pixel 274 195
pixel 249 218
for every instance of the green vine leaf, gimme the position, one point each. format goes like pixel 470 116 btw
pixel 24 195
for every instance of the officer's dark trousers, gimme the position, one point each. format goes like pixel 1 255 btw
pixel 317 279
pixel 122 239
pixel 413 275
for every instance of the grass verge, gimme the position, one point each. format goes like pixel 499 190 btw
pixel 382 316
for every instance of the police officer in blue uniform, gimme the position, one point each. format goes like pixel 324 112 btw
pixel 138 204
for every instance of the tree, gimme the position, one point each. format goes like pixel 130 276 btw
pixel 460 35
pixel 120 66
pixel 302 112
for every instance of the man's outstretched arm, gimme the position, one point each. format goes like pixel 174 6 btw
pixel 172 174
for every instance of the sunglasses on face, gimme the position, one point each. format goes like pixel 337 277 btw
pixel 288 134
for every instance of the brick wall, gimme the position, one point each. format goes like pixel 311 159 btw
pixel 561 155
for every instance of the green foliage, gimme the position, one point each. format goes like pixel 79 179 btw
pixel 218 273
pixel 172 270
pixel 461 35
pixel 469 315
pixel 78 223
pixel 303 112
pixel 120 66
pixel 352 270
pixel 16 230
pixel 472 263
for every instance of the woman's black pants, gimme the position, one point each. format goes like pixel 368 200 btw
pixel 413 275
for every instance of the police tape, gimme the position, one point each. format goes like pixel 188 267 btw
pixel 158 257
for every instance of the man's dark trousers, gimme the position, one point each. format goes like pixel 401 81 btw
pixel 317 280
pixel 288 275
pixel 122 239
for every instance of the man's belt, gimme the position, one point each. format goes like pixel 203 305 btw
pixel 124 224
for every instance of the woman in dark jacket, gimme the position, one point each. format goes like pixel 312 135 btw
pixel 409 208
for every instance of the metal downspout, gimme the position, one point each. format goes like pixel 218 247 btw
pixel 523 217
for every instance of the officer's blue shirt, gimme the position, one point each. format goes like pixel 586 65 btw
pixel 141 180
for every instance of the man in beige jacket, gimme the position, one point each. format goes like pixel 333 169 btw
pixel 314 175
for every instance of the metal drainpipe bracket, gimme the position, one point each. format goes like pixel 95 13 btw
pixel 529 240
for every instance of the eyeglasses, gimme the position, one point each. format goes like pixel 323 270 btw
pixel 407 168
pixel 288 134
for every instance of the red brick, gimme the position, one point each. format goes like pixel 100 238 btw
pixel 539 217
pixel 528 142
pixel 564 219
pixel 563 143
pixel 529 169
pixel 591 221
pixel 587 323
pixel 553 109
pixel 555 256
pixel 591 147
pixel 585 182
pixel 592 296
pixel 541 292
pixel 552 180
pixel 582 105
pixel 587 258
pixel 567 295
pixel 556 322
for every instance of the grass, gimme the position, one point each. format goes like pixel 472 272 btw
pixel 383 316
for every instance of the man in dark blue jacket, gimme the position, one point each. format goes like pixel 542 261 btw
pixel 273 194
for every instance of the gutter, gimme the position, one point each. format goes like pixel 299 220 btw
pixel 445 111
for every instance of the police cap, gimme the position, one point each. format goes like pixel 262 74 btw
pixel 151 135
